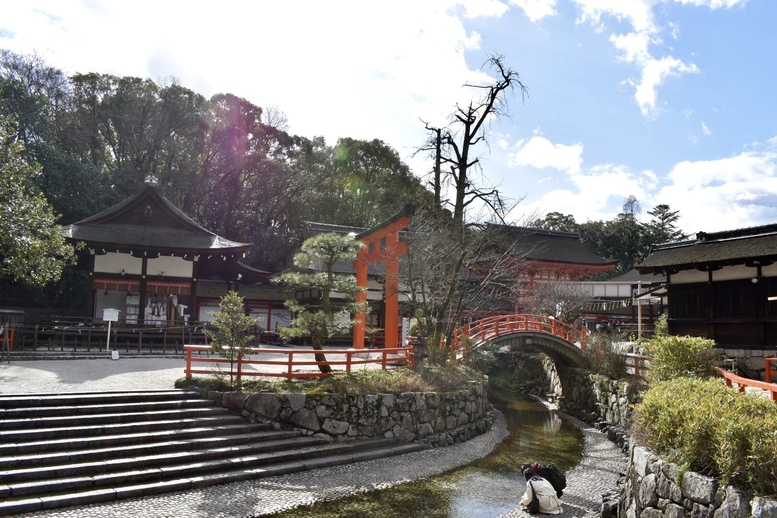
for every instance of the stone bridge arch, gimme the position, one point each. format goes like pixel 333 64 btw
pixel 561 342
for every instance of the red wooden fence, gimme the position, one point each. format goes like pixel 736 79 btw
pixel 294 363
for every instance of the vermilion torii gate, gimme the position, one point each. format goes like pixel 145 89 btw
pixel 382 246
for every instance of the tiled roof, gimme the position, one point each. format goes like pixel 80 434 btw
pixel 741 246
pixel 633 277
pixel 148 221
pixel 548 245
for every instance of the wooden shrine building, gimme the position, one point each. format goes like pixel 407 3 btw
pixel 722 285
pixel 147 259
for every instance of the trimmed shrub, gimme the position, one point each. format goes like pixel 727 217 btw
pixel 677 356
pixel 661 327
pixel 710 428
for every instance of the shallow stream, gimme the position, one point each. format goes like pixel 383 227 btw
pixel 484 489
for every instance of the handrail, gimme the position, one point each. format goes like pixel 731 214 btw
pixel 289 365
pixel 743 383
pixel 493 327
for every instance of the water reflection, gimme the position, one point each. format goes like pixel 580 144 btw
pixel 484 489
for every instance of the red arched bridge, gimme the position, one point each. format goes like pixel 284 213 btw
pixel 554 337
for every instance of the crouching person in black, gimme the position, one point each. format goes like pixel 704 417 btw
pixel 540 496
pixel 550 473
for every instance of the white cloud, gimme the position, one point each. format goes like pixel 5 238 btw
pixel 596 194
pixel 635 45
pixel 486 8
pixel 653 74
pixel 712 193
pixel 637 13
pixel 536 9
pixel 705 129
pixel 713 4
pixel 541 153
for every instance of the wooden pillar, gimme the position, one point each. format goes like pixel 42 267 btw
pixel 392 303
pixel 90 298
pixel 194 310
pixel 361 297
pixel 142 292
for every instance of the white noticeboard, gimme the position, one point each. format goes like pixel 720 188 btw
pixel 405 331
pixel 110 315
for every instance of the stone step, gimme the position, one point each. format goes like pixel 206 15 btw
pixel 120 440
pixel 10 506
pixel 14 402
pixel 65 432
pixel 105 408
pixel 145 445
pixel 140 467
pixel 61 450
pixel 85 420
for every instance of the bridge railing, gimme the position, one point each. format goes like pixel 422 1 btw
pixel 294 363
pixel 744 383
pixel 493 327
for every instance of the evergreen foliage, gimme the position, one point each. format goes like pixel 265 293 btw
pixel 32 247
pixel 318 318
pixel 707 427
pixel 231 336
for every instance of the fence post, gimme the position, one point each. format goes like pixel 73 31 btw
pixel 769 370
pixel 188 370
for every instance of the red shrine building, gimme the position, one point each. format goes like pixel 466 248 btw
pixel 542 256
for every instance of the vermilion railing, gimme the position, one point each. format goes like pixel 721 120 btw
pixel 769 371
pixel 294 363
pixel 743 383
pixel 493 327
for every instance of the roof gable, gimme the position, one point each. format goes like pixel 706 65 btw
pixel 147 208
pixel 148 220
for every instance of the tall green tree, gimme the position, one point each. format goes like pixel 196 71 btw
pixel 319 317
pixel 32 247
pixel 556 221
pixel 357 183
pixel 662 228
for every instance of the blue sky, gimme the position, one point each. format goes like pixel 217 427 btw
pixel 672 101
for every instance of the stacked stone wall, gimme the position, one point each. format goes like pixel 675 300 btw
pixel 658 489
pixel 581 393
pixel 436 418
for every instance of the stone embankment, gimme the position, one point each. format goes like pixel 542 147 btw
pixel 658 489
pixel 438 419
